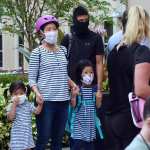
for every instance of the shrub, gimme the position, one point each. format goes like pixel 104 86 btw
pixel 8 78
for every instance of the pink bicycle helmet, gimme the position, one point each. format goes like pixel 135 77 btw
pixel 44 20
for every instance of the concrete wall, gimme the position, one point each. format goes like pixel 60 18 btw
pixel 10 54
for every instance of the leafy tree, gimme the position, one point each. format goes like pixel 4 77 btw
pixel 99 10
pixel 125 2
pixel 24 13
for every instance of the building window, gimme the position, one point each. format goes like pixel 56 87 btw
pixel 1 51
pixel 20 55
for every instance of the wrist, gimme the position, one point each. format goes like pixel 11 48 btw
pixel 14 105
pixel 37 93
pixel 99 88
pixel 74 86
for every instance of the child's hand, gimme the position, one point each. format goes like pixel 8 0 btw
pixel 75 91
pixel 73 101
pixel 16 100
pixel 99 96
pixel 39 108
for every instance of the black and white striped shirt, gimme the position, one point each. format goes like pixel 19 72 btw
pixel 84 127
pixel 21 131
pixel 48 71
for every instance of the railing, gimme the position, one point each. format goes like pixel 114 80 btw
pixel 13 71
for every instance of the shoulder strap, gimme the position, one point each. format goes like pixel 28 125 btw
pixel 39 55
pixel 39 59
pixel 135 48
pixel 70 38
pixel 65 53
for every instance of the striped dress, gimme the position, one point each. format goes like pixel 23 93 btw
pixel 21 131
pixel 83 122
pixel 48 71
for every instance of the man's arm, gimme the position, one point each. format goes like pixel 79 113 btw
pixel 99 71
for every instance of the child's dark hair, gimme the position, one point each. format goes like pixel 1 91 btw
pixel 146 112
pixel 19 85
pixel 79 68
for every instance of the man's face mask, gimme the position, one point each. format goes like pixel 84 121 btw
pixel 81 24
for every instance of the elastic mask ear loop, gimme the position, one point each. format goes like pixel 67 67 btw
pixel 43 36
pixel 42 32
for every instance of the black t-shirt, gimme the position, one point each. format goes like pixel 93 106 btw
pixel 142 55
pixel 120 73
pixel 86 47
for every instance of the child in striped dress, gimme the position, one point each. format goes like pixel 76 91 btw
pixel 20 112
pixel 84 120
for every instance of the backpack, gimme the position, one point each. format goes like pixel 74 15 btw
pixel 70 39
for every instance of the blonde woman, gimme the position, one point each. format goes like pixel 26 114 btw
pixel 138 30
pixel 138 27
pixel 131 52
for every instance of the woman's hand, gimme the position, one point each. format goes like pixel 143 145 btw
pixel 74 92
pixel 99 96
pixel 39 98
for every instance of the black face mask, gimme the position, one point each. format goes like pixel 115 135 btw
pixel 81 27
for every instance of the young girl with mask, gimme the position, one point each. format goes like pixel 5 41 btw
pixel 49 80
pixel 20 112
pixel 84 120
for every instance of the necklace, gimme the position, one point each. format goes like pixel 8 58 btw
pixel 53 49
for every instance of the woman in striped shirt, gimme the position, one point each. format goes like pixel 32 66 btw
pixel 49 80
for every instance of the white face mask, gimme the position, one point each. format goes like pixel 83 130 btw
pixel 51 37
pixel 88 79
pixel 22 98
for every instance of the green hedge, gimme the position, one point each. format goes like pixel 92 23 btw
pixel 8 78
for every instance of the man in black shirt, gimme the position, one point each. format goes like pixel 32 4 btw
pixel 84 44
